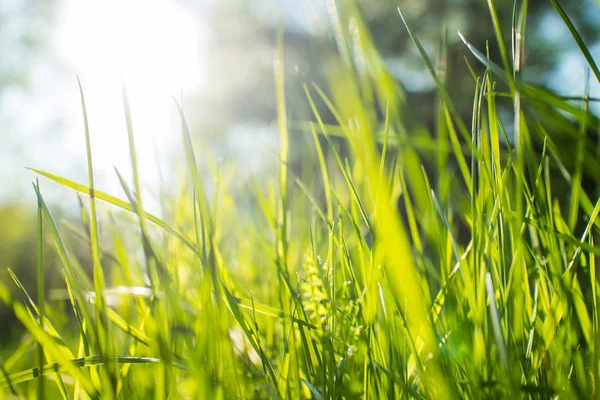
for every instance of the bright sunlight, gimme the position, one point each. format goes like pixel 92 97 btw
pixel 153 46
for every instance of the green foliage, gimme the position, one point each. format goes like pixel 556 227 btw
pixel 418 265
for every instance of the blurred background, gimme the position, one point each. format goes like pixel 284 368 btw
pixel 217 58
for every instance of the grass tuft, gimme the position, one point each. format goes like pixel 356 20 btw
pixel 458 263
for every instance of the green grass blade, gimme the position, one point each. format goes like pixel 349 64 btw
pixel 78 187
pixel 101 326
pixel 40 292
pixel 584 49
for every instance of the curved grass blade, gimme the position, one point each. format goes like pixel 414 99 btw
pixel 312 389
pixel 527 90
pixel 47 341
pixel 81 188
pixel 271 312
pixel 578 39
pixel 30 374
pixel 239 316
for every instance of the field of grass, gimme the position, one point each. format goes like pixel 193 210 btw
pixel 396 263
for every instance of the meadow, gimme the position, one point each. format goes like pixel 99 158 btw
pixel 395 262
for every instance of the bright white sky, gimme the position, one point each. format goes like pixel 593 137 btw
pixel 153 45
pixel 156 46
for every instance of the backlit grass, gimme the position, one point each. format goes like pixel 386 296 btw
pixel 396 263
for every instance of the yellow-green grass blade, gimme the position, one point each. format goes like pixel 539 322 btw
pixel 47 325
pixel 72 273
pixel 282 207
pixel 392 249
pixel 101 326
pixel 57 353
pixel 250 334
pixel 322 162
pixel 201 201
pixel 81 188
pixel 500 41
pixel 40 291
pixel 27 375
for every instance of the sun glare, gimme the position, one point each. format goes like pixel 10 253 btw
pixel 153 46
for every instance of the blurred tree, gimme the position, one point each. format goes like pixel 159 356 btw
pixel 240 84
pixel 547 40
pixel 239 94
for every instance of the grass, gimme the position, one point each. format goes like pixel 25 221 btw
pixel 413 264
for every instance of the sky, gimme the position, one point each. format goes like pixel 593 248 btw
pixel 153 46
pixel 157 47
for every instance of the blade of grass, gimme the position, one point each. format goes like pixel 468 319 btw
pixel 101 326
pixel 40 292
pixel 78 187
pixel 584 49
